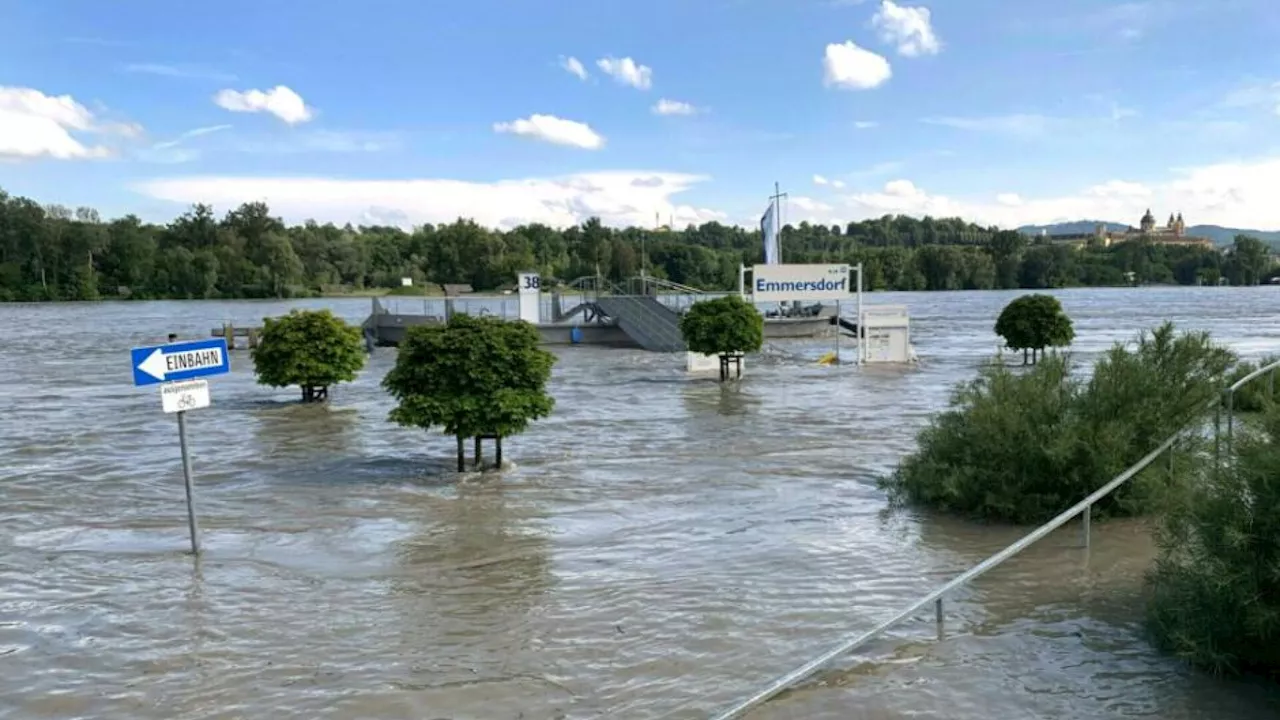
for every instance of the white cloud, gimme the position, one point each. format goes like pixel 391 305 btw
pixel 552 129
pixel 865 124
pixel 821 180
pixel 34 125
pixel 1024 125
pixel 174 151
pixel 616 197
pixel 847 66
pixel 627 72
pixel 178 71
pixel 907 28
pixel 673 107
pixel 1233 194
pixel 280 101
pixel 573 66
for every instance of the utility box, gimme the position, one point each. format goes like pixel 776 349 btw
pixel 886 332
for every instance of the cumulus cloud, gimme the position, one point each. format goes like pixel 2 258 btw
pixel 617 197
pixel 673 107
pixel 627 72
pixel 1234 194
pixel 573 66
pixel 822 180
pixel 909 29
pixel 847 66
pixel 280 101
pixel 33 125
pixel 549 128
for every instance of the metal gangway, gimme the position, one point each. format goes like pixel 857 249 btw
pixel 1082 509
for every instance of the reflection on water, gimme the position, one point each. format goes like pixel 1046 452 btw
pixel 661 546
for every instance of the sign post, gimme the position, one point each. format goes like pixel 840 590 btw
pixel 179 368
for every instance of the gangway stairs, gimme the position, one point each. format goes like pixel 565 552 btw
pixel 654 326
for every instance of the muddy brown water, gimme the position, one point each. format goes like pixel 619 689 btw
pixel 659 548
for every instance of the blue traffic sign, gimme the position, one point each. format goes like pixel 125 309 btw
pixel 179 361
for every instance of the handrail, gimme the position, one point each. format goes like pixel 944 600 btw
pixel 806 670
pixel 669 284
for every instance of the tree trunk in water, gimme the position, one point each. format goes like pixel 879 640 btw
pixel 1024 356
pixel 497 445
pixel 477 452
pixel 462 456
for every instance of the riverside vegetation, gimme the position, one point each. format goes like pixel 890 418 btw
pixel 312 349
pixel 1023 445
pixel 728 327
pixel 53 253
pixel 475 377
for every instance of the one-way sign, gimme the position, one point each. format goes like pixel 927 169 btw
pixel 179 361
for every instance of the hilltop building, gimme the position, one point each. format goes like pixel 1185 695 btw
pixel 1172 233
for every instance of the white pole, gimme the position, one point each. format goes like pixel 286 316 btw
pixel 742 281
pixel 862 351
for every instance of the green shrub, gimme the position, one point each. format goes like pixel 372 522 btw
pixel 1253 397
pixel 310 348
pixel 474 377
pixel 1034 322
pixel 726 326
pixel 1215 589
pixel 1023 446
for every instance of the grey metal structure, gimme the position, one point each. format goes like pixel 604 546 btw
pixel 652 325
pixel 1082 509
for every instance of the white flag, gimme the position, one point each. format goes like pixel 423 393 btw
pixel 769 231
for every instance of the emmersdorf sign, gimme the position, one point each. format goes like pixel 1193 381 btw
pixel 776 283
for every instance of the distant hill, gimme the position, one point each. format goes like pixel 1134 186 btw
pixel 1220 235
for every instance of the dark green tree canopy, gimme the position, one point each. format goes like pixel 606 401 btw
pixel 53 253
pixel 475 376
pixel 1034 322
pixel 310 348
pixel 724 326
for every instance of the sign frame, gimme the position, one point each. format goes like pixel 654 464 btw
pixel 809 282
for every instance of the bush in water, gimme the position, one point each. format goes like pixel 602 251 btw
pixel 1215 588
pixel 310 348
pixel 475 377
pixel 1034 322
pixel 1023 446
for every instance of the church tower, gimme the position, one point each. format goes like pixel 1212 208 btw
pixel 1179 226
pixel 1148 223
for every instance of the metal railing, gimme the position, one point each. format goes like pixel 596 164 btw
pixel 1083 509
pixel 661 325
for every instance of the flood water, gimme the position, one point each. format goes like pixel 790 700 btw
pixel 659 547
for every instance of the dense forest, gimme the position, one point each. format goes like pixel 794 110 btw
pixel 54 253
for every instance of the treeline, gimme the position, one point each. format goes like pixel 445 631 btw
pixel 54 253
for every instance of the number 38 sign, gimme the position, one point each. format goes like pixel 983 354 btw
pixel 184 396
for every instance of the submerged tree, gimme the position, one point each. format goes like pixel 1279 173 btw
pixel 1034 322
pixel 727 327
pixel 1024 446
pixel 310 348
pixel 476 377
pixel 1215 589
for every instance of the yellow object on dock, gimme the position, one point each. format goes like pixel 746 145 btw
pixel 829 359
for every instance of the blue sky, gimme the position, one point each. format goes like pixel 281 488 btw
pixel 530 110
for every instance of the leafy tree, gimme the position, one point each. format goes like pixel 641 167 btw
pixel 1034 322
pixel 475 377
pixel 310 348
pixel 727 326
pixel 1214 597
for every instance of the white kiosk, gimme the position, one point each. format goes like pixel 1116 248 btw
pixel 887 334
pixel 529 286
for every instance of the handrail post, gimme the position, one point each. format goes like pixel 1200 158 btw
pixel 1086 520
pixel 1217 433
pixel 1231 417
pixel 937 611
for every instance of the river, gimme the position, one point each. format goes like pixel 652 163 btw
pixel 659 548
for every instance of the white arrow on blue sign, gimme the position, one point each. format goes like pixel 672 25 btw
pixel 179 361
